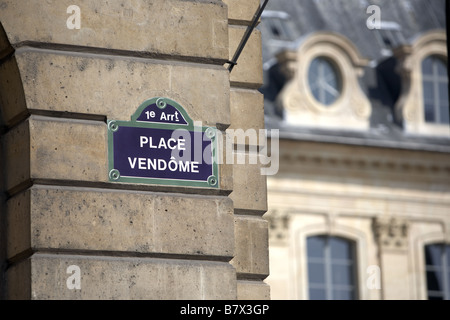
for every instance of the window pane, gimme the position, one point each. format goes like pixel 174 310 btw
pixel 433 255
pixel 342 274
pixel 316 247
pixel 314 69
pixel 312 78
pixel 444 115
pixel 316 273
pixel 434 281
pixel 447 254
pixel 327 69
pixel 428 92
pixel 333 81
pixel 443 91
pixel 448 284
pixel 343 294
pixel 317 294
pixel 316 92
pixel 329 99
pixel 437 258
pixel 429 113
pixel 441 67
pixel 340 248
pixel 427 65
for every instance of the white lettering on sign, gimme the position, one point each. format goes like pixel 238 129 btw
pixel 180 165
pixel 164 116
pixel 150 114
pixel 161 164
pixel 171 143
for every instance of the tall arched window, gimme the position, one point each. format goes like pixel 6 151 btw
pixel 437 259
pixel 331 268
pixel 435 90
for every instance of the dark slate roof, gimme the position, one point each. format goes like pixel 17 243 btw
pixel 408 19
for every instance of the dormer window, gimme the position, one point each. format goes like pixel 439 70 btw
pixel 323 90
pixel 422 107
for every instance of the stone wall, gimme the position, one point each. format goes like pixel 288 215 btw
pixel 59 86
pixel 249 188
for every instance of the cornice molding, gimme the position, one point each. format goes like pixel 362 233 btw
pixel 406 165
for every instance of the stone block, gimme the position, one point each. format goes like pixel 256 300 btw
pixel 68 150
pixel 248 72
pixel 114 87
pixel 46 277
pixel 252 247
pixel 188 28
pixel 138 222
pixel 47 148
pixel 252 290
pixel 241 12
pixel 247 113
pixel 250 190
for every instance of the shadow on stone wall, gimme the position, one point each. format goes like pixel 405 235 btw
pixel 6 52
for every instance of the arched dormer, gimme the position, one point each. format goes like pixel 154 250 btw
pixel 420 66
pixel 323 90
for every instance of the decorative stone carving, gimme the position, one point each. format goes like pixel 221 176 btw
pixel 278 226
pixel 391 233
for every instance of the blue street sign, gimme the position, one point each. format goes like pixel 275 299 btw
pixel 161 145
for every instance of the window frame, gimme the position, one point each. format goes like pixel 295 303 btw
pixel 328 262
pixel 443 268
pixel 435 80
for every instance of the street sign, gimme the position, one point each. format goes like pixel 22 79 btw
pixel 162 145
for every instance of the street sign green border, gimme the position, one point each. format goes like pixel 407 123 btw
pixel 113 126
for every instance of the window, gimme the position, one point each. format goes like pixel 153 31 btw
pixel 435 90
pixel 331 268
pixel 437 259
pixel 324 81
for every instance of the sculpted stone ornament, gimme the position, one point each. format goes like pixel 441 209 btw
pixel 391 233
pixel 278 226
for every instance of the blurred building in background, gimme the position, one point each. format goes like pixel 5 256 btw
pixel 360 208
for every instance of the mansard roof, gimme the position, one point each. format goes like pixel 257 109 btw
pixel 403 22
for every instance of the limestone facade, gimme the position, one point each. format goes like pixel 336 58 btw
pixel 390 203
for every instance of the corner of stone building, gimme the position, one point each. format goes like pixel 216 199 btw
pixel 5 51
pixel 3 239
pixel 249 194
